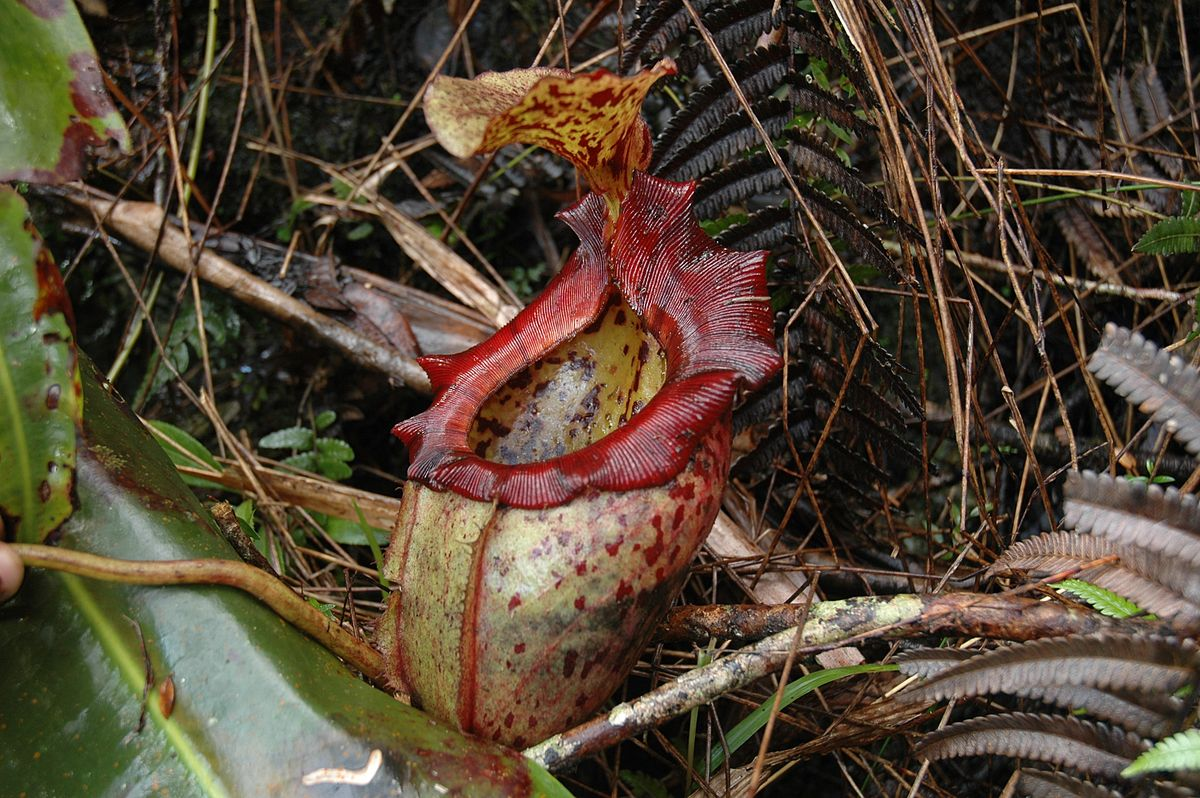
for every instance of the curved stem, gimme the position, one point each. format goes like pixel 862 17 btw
pixel 266 588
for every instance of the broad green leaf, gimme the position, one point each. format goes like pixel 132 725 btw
pixel 756 720
pixel 53 104
pixel 1102 600
pixel 196 455
pixel 257 705
pixel 324 419
pixel 39 381
pixel 1171 237
pixel 1178 752
pixel 288 438
pixel 334 448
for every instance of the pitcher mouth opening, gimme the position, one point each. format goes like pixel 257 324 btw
pixel 682 324
pixel 576 394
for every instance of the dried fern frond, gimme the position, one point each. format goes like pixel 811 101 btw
pixel 1091 748
pixel 1104 661
pixel 1166 586
pixel 1151 98
pixel 1148 714
pixel 1135 513
pixel 1158 382
pixel 928 662
pixel 1047 784
pixel 1083 234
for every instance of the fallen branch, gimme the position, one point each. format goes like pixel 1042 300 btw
pixel 829 624
pixel 146 225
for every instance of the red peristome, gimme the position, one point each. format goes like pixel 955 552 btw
pixel 704 304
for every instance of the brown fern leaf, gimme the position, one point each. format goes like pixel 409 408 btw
pixel 928 662
pixel 1147 714
pixel 1158 382
pixel 1135 513
pixel 1047 784
pixel 1156 110
pixel 1104 661
pixel 1167 586
pixel 1090 748
pixel 1082 234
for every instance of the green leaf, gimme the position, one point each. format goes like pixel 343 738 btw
pixel 334 448
pixel 369 531
pixel 1103 601
pixel 305 460
pixel 332 468
pixel 53 105
pixel 199 456
pixel 1178 752
pixel 360 231
pixel 39 380
pixel 350 533
pixel 1171 237
pixel 288 438
pixel 324 419
pixel 756 720
pixel 257 704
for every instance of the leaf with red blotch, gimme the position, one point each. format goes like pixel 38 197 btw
pixel 40 394
pixel 593 120
pixel 53 104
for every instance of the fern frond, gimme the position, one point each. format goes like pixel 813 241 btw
pixel 1104 661
pixel 1160 383
pixel 659 25
pixel 736 183
pixel 727 139
pixel 1166 586
pixel 1178 752
pixel 734 26
pixel 927 662
pixel 757 75
pixel 825 105
pixel 811 157
pixel 1147 714
pixel 765 229
pixel 1173 236
pixel 1047 784
pixel 1091 748
pixel 1102 600
pixel 1135 513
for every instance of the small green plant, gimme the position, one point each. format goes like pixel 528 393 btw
pixel 326 456
pixel 1151 478
pixel 1102 600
